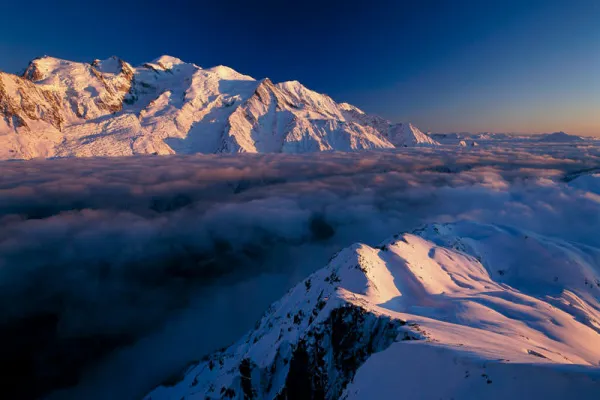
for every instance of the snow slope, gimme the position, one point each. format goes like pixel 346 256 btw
pixel 460 310
pixel 588 182
pixel 109 108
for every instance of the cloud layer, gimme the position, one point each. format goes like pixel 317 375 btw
pixel 97 253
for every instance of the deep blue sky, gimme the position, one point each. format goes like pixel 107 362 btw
pixel 447 66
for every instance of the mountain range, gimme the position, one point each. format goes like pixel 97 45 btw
pixel 555 137
pixel 60 108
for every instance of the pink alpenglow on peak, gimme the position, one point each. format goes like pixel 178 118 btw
pixel 60 108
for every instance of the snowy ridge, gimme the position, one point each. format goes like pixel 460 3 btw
pixel 487 311
pixel 109 108
pixel 311 341
pixel 408 135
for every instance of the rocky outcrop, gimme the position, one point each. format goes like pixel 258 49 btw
pixel 308 345
pixel 26 102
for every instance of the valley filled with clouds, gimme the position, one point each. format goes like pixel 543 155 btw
pixel 127 253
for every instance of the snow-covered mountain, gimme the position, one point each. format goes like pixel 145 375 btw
pixel 109 108
pixel 560 137
pixel 458 310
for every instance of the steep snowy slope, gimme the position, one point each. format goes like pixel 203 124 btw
pixel 31 119
pixel 588 182
pixel 400 135
pixel 449 311
pixel 408 135
pixel 108 108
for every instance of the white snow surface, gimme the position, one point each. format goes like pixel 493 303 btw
pixel 109 108
pixel 483 311
pixel 589 183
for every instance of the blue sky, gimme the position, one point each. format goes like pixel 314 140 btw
pixel 527 66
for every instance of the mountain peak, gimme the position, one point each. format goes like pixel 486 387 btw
pixel 325 317
pixel 225 72
pixel 294 86
pixel 406 134
pixel 167 62
pixel 453 288
pixel 111 65
pixel 350 107
pixel 40 67
pixel 560 137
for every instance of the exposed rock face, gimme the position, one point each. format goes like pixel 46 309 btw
pixel 33 73
pixel 308 345
pixel 168 106
pixel 20 101
pixel 323 368
pixel 321 363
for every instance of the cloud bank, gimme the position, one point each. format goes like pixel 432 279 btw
pixel 106 256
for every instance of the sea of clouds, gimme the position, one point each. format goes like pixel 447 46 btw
pixel 129 268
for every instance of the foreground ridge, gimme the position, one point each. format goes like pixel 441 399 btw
pixel 486 311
